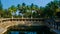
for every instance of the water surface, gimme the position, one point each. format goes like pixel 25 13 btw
pixel 19 32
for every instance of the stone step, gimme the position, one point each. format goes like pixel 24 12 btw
pixel 2 30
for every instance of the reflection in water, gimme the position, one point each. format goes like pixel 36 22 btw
pixel 30 30
pixel 14 32
pixel 18 32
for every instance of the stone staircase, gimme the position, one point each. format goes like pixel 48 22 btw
pixel 4 26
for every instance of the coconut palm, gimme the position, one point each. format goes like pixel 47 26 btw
pixel 22 8
pixel 12 10
pixel 32 8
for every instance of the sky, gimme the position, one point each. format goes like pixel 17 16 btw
pixel 8 3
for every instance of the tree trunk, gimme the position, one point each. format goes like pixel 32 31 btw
pixel 31 14
pixel 22 16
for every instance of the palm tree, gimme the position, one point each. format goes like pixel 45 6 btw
pixel 28 12
pixel 22 8
pixel 34 11
pixel 12 10
pixel 40 11
pixel 32 8
pixel 37 11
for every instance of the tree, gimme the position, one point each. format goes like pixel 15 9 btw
pixel 27 14
pixel 41 11
pixel 50 9
pixel 22 9
pixel 0 5
pixel 1 12
pixel 36 13
pixel 12 10
pixel 58 13
pixel 32 8
pixel 6 13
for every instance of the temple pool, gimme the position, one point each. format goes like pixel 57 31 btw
pixel 18 32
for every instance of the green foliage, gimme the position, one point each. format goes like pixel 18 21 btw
pixel 12 10
pixel 28 11
pixel 50 9
pixel 0 5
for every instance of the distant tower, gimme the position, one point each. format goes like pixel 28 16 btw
pixel 0 5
